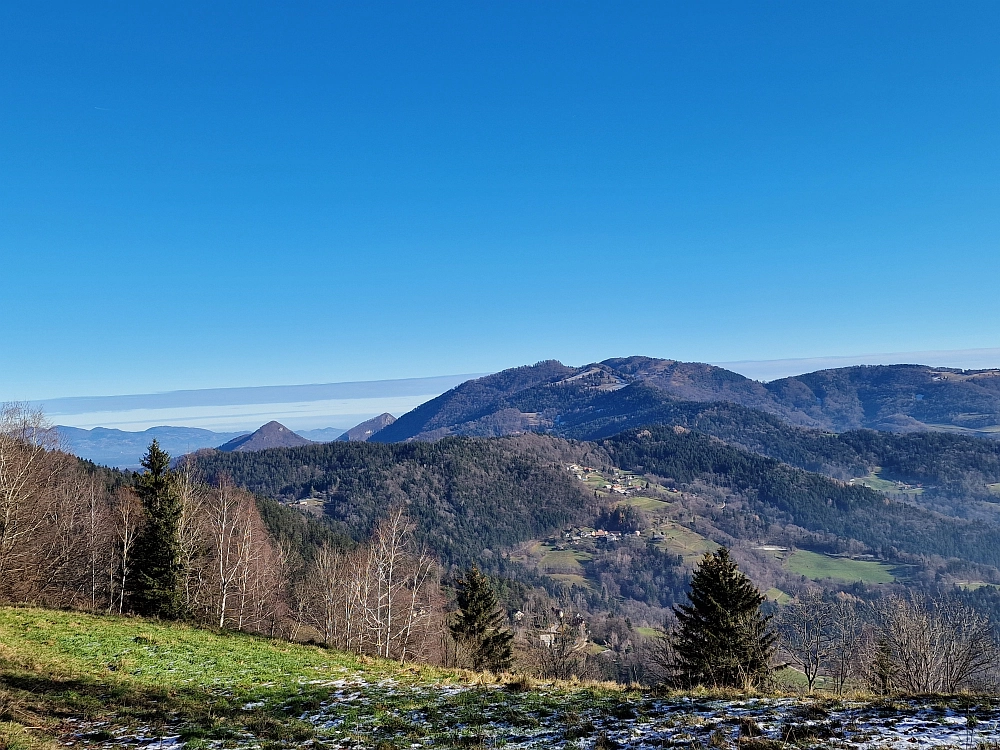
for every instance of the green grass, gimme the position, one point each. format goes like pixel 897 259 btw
pixel 975 585
pixel 777 595
pixel 690 545
pixel 988 431
pixel 56 664
pixel 119 678
pixel 68 678
pixel 565 561
pixel 647 504
pixel 573 579
pixel 875 482
pixel 794 680
pixel 817 567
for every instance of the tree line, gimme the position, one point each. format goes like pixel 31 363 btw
pixel 777 491
pixel 914 644
pixel 160 543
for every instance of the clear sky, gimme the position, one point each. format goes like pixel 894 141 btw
pixel 200 195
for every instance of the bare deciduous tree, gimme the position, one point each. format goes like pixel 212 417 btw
pixel 806 631
pixel 127 513
pixel 921 645
pixel 848 628
pixel 381 598
pixel 27 469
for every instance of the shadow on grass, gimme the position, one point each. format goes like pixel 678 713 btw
pixel 45 702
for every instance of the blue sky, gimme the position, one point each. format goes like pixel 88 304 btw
pixel 245 194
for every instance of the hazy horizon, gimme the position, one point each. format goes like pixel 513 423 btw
pixel 343 405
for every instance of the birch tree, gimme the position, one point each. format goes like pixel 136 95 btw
pixel 26 471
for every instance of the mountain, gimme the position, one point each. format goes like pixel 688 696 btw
pixel 271 435
pixel 124 450
pixel 368 428
pixel 551 397
pixel 897 398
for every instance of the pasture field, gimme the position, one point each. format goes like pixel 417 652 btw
pixel 567 561
pixel 777 595
pixel 875 482
pixel 647 504
pixel 690 545
pixel 975 585
pixel 818 566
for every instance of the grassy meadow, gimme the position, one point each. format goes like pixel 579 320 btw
pixel 818 566
pixel 74 680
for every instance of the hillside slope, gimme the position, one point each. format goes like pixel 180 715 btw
pixel 366 429
pixel 498 500
pixel 470 498
pixel 78 680
pixel 550 397
pixel 83 680
pixel 957 470
pixel 776 491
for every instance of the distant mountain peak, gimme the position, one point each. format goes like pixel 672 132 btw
pixel 366 429
pixel 581 402
pixel 272 435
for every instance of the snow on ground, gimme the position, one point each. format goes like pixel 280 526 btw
pixel 387 714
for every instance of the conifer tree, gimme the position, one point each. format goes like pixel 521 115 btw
pixel 479 626
pixel 723 639
pixel 156 590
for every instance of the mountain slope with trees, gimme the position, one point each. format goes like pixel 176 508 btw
pixel 470 498
pixel 271 435
pixel 597 402
pixel 776 491
pixel 895 398
pixel 473 499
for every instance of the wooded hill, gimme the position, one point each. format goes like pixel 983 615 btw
pixel 477 499
pixel 469 498
pixel 595 404
pixel 542 397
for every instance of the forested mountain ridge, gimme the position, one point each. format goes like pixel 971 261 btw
pixel 469 401
pixel 476 499
pixel 897 398
pixel 775 491
pixel 944 465
pixel 469 498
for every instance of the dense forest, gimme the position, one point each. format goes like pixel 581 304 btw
pixel 474 499
pixel 470 498
pixel 806 499
pixel 947 466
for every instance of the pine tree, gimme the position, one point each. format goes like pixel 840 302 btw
pixel 723 639
pixel 157 591
pixel 479 626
